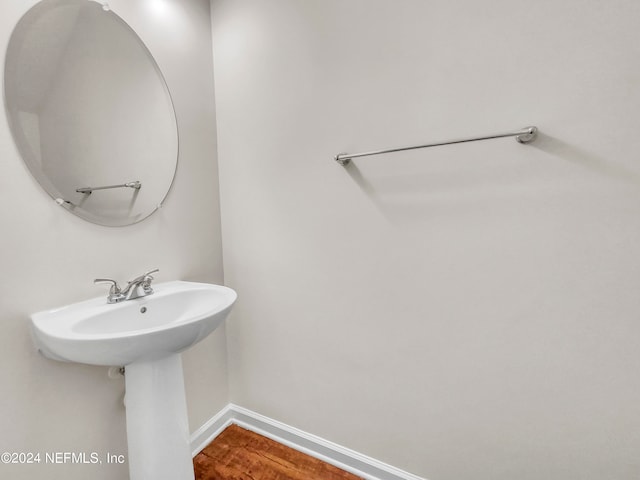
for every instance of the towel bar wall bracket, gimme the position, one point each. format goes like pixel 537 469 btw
pixel 524 135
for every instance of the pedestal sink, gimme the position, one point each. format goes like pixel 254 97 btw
pixel 146 335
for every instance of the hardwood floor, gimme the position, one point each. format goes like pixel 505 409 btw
pixel 238 454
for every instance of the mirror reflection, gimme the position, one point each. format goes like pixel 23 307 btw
pixel 90 111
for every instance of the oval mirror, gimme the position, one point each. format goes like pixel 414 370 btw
pixel 90 111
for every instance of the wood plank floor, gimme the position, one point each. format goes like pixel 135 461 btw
pixel 238 454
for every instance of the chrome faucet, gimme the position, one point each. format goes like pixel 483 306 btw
pixel 136 288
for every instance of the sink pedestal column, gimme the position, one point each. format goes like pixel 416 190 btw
pixel 157 424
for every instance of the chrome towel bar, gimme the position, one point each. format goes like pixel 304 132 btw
pixel 524 135
pixel 136 185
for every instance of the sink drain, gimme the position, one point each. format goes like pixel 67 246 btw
pixel 143 309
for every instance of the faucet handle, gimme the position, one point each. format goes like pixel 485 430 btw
pixel 115 293
pixel 115 288
pixel 147 279
pixel 155 270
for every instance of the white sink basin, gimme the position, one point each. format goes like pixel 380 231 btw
pixel 146 335
pixel 174 317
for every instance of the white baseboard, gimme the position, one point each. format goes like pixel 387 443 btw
pixel 341 457
pixel 211 429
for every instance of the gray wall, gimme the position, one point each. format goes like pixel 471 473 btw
pixel 49 258
pixel 466 312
